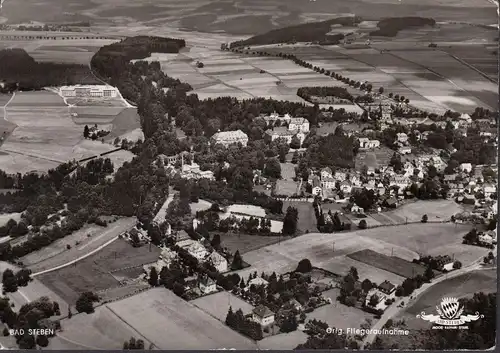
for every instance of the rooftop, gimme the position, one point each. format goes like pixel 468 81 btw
pixel 262 311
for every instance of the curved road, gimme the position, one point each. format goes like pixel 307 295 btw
pixel 395 309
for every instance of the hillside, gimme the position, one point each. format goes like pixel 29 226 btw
pixel 307 32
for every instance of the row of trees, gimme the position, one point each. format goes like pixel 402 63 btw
pixel 11 281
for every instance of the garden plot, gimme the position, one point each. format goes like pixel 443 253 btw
pixel 172 323
pixel 218 304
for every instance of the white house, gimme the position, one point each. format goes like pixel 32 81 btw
pixel 340 176
pixel 404 150
pixel 207 285
pixel 299 124
pixel 257 281
pixel 489 189
pixel 356 209
pixel 218 261
pixel 346 187
pixel 263 316
pixel 366 143
pixel 400 181
pixel 91 91
pixel 328 183
pixel 316 185
pixel 197 250
pixel 227 138
pixel 386 290
pixel 402 137
pixel 326 173
pixel 466 167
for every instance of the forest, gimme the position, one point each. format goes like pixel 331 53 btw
pixel 19 71
pixel 390 27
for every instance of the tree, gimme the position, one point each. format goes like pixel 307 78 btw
pixel 9 281
pixel 362 224
pixel 304 266
pixel 295 143
pixel 85 303
pixel 457 265
pixel 133 344
pixel 290 221
pixel 23 277
pixel 381 90
pixel 237 263
pixel 272 168
pixel 153 277
pixel 216 242
pixel 425 218
pixel 429 273
pixel 86 132
pixel 374 300
pixel 42 340
pixel 366 285
pixel 289 323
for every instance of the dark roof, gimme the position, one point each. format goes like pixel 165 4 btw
pixel 206 281
pixel 262 311
pixel 387 287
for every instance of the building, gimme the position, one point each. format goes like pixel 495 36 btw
pixel 404 150
pixel 207 285
pixel 284 134
pixel 257 281
pixel 385 291
pixel 400 181
pixel 346 187
pixel 366 143
pixel 227 138
pixel 466 167
pixel 316 185
pixel 299 124
pixel 295 304
pixel 356 209
pixel 388 289
pixel 326 173
pixel 263 316
pixel 402 137
pixel 328 183
pixel 218 261
pixel 91 91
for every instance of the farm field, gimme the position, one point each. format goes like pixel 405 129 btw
pixel 217 305
pixel 247 242
pixel 323 250
pixel 431 239
pixel 101 330
pixel 36 99
pixel 463 286
pixel 436 211
pixel 283 341
pixel 103 270
pixel 46 136
pixel 392 264
pixel 56 254
pixel 172 323
pixel 480 57
pixel 307 218
pixel 337 314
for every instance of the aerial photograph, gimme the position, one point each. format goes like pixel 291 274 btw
pixel 249 174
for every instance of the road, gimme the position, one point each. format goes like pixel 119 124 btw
pixel 395 308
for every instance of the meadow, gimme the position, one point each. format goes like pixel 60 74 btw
pixel 172 323
pixel 218 304
pixel 116 264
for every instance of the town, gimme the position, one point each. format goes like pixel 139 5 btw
pixel 216 192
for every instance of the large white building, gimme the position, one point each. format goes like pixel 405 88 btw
pixel 227 138
pixel 92 91
pixel 299 124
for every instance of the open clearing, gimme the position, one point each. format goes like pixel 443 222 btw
pixel 327 251
pixel 110 267
pixel 247 242
pixel 36 99
pixel 436 211
pixel 337 314
pixel 430 239
pixel 392 264
pixel 172 323
pixel 307 218
pixel 103 329
pixel 217 305
pixel 56 254
pixel 283 341
pixel 46 136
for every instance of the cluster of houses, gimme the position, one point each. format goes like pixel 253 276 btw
pixel 188 171
pixel 285 128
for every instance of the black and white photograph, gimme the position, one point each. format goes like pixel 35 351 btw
pixel 249 174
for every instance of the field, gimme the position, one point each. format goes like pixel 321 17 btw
pixel 46 135
pixel 307 218
pixel 337 314
pixel 172 323
pixel 246 242
pixel 117 263
pixel 283 341
pixel 286 187
pixel 57 254
pixel 430 239
pixel 436 211
pixel 392 264
pixel 377 158
pixel 217 305
pixel 101 330
pixel 327 251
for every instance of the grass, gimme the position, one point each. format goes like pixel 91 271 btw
pixel 392 264
pixel 57 253
pixel 103 270
pixel 246 242
pixel 283 341
pixel 307 218
pixel 217 305
pixel 327 251
pixel 201 205
pixel 37 99
pixel 430 239
pixel 172 323
pixel 286 187
pixel 287 171
pixel 337 314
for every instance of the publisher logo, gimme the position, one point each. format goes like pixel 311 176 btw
pixel 450 315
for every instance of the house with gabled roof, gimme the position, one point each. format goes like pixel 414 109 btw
pixel 263 316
